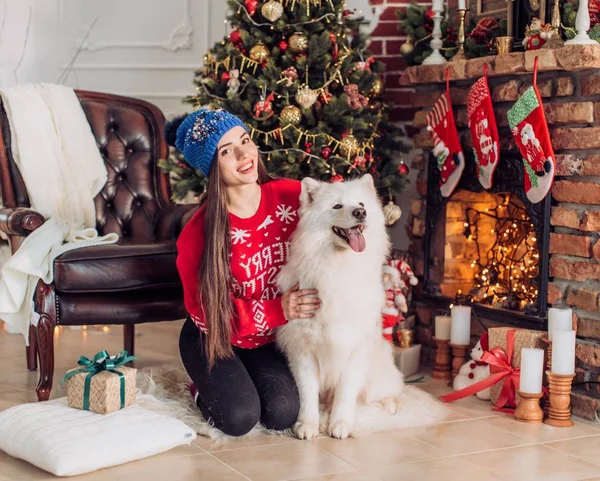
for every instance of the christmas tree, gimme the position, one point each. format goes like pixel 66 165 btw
pixel 298 73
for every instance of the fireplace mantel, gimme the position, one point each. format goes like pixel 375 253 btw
pixel 569 84
pixel 568 59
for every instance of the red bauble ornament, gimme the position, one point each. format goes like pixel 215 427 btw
pixel 403 169
pixel 283 45
pixel 325 152
pixel 225 77
pixel 251 6
pixel 235 36
pixel 336 178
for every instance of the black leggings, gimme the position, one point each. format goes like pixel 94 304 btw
pixel 254 385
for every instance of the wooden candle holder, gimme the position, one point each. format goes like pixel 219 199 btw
pixel 442 360
pixel 559 411
pixel 546 401
pixel 528 410
pixel 459 357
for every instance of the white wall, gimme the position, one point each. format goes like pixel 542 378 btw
pixel 140 48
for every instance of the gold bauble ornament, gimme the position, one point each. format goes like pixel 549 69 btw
pixel 298 42
pixel 407 47
pixel 306 97
pixel 391 212
pixel 259 52
pixel 272 10
pixel 290 115
pixel 377 87
pixel 349 145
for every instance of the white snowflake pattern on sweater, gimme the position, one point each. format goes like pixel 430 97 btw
pixel 285 213
pixel 239 236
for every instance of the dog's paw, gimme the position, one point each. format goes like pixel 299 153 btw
pixel 306 430
pixel 391 405
pixel 339 429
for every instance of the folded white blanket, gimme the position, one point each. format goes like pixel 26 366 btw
pixel 56 152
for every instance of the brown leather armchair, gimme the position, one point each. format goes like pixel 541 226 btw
pixel 132 282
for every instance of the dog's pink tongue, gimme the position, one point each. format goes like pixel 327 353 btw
pixel 356 239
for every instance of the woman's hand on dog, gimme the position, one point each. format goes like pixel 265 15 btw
pixel 300 303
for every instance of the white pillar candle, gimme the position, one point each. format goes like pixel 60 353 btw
pixel 559 318
pixel 532 369
pixel 442 328
pixel 563 351
pixel 461 5
pixel 460 327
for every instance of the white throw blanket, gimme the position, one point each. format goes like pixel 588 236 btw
pixel 57 155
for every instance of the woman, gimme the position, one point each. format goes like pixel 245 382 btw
pixel 229 255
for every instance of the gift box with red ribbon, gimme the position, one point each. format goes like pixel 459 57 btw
pixel 503 339
pixel 504 359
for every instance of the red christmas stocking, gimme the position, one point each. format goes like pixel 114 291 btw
pixel 482 123
pixel 446 144
pixel 529 128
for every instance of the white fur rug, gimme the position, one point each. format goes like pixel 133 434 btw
pixel 165 389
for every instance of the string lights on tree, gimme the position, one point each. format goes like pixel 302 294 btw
pixel 506 272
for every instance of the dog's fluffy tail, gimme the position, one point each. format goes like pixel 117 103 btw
pixel 418 409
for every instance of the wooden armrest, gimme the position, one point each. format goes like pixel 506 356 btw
pixel 20 221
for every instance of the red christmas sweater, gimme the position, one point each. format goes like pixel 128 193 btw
pixel 259 249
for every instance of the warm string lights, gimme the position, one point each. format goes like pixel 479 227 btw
pixel 507 270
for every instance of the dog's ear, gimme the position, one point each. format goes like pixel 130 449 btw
pixel 310 187
pixel 367 179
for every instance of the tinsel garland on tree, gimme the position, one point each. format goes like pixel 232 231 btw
pixel 416 22
pixel 299 74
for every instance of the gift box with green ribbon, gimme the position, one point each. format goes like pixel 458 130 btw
pixel 102 384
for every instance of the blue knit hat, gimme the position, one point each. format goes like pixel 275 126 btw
pixel 199 134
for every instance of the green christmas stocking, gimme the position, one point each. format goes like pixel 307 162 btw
pixel 530 130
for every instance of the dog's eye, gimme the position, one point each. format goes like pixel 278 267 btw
pixel 338 206
pixel 361 204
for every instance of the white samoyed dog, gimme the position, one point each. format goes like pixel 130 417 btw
pixel 339 247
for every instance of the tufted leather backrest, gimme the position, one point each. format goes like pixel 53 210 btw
pixel 129 134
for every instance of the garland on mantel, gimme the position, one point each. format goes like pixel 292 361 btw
pixel 416 22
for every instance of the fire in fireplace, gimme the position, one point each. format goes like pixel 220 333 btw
pixel 492 245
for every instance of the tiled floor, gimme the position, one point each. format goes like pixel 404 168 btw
pixel 476 444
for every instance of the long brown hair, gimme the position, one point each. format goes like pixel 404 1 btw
pixel 215 271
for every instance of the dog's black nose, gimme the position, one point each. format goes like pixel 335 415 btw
pixel 359 213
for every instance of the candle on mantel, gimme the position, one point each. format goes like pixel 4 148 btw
pixel 437 5
pixel 462 5
pixel 563 351
pixel 559 318
pixel 442 328
pixel 460 327
pixel 532 369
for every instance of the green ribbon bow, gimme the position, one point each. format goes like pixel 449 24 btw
pixel 102 362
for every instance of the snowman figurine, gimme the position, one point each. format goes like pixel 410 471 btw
pixel 475 370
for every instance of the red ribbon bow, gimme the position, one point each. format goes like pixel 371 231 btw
pixel 500 368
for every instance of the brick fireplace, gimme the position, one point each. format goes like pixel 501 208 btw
pixel 565 226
